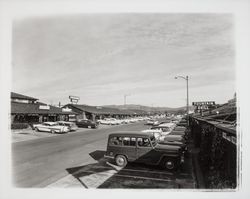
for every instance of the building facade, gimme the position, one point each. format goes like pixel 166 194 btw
pixel 25 109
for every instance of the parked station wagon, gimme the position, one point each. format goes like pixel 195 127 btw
pixel 142 147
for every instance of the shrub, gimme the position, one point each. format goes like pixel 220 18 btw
pixel 19 126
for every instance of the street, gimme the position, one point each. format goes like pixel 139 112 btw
pixel 76 160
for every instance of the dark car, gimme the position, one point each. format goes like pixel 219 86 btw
pixel 180 128
pixel 87 124
pixel 142 147
pixel 182 123
pixel 174 132
pixel 177 140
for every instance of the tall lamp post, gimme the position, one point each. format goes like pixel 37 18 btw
pixel 185 78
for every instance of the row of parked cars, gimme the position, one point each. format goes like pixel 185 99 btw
pixel 114 121
pixel 164 144
pixel 65 127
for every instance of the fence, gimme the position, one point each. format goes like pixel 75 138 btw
pixel 218 152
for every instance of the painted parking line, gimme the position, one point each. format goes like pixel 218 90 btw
pixel 125 174
pixel 132 170
pixel 143 178
pixel 136 170
pixel 114 174
pixel 93 177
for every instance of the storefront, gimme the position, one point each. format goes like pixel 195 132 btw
pixel 99 112
pixel 25 109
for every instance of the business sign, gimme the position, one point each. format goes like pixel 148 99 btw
pixel 66 109
pixel 206 105
pixel 44 107
pixel 203 103
pixel 74 99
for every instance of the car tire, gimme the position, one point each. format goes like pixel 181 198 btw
pixel 53 131
pixel 121 160
pixel 169 164
pixel 36 129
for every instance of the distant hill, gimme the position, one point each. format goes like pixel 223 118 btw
pixel 148 108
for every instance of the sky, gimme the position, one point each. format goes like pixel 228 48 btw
pixel 102 57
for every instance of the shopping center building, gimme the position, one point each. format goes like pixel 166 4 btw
pixel 25 109
pixel 100 112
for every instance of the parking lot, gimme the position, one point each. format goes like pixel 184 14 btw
pixel 76 160
pixel 105 174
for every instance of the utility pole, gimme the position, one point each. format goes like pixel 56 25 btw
pixel 125 98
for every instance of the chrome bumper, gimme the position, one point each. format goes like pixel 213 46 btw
pixel 110 157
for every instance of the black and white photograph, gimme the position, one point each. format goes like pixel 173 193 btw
pixel 126 100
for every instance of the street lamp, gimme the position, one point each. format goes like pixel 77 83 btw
pixel 186 78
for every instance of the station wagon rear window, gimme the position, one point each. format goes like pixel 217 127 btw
pixel 115 141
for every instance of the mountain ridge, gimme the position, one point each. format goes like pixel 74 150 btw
pixel 148 108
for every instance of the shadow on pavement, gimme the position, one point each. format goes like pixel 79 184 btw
pixel 87 175
pixel 97 155
pixel 104 174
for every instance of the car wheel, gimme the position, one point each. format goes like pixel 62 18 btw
pixel 52 131
pixel 121 160
pixel 169 164
pixel 36 129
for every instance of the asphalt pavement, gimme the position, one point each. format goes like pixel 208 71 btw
pixel 39 162
pixel 76 160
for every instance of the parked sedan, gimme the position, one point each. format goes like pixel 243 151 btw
pixel 177 140
pixel 87 124
pixel 52 127
pixel 72 126
pixel 110 121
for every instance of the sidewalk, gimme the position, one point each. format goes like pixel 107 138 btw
pixel 28 134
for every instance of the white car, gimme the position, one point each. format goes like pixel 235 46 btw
pixel 125 121
pixel 110 121
pixel 169 125
pixel 150 122
pixel 156 132
pixel 52 127
pixel 72 126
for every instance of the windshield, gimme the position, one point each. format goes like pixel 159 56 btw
pixel 153 141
